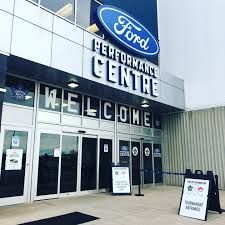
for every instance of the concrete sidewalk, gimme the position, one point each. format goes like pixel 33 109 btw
pixel 158 207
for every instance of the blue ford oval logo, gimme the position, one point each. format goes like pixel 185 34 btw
pixel 128 31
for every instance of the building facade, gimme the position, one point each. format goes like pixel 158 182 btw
pixel 73 103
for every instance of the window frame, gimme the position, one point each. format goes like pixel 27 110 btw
pixel 38 4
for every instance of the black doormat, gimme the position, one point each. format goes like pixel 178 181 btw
pixel 67 219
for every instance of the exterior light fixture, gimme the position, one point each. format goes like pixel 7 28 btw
pixel 73 84
pixel 145 105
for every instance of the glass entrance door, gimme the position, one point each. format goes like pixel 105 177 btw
pixel 58 165
pixel 105 164
pixel 89 163
pixel 136 166
pixel 14 164
pixel 147 163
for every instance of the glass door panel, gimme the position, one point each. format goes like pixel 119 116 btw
pixel 124 153
pixel 158 162
pixel 135 152
pixel 13 163
pixel 69 162
pixel 147 163
pixel 89 164
pixel 105 164
pixel 49 154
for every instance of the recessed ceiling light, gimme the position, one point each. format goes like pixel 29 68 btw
pixel 145 105
pixel 73 84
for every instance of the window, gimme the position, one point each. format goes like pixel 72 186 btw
pixel 19 91
pixel 50 98
pixel 72 103
pixel 86 15
pixel 64 8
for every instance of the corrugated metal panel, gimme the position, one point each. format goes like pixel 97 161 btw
pixel 194 140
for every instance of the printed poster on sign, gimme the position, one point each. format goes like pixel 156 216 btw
pixel 14 159
pixel 194 198
pixel 15 141
pixel 121 180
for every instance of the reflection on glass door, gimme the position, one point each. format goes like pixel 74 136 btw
pixel 13 163
pixel 147 163
pixel 89 164
pixel 49 154
pixel 69 162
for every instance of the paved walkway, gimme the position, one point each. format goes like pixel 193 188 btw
pixel 158 207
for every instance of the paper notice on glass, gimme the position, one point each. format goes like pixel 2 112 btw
pixel 57 152
pixel 14 159
pixel 106 148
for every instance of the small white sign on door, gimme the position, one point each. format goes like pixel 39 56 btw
pixel 15 141
pixel 106 148
pixel 14 159
pixel 57 152
pixel 194 198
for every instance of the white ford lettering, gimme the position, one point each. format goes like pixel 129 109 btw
pixel 127 28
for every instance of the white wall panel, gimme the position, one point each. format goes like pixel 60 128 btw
pixel 31 42
pixel 71 120
pixel 36 15
pixel 88 38
pixel 87 67
pixel 91 123
pixel 171 95
pixel 67 55
pixel 68 30
pixel 6 28
pixel 7 5
pixel 44 116
pixel 17 115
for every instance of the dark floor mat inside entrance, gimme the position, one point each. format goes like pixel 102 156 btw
pixel 67 219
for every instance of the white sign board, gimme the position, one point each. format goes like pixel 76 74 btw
pixel 121 180
pixel 194 198
pixel 14 159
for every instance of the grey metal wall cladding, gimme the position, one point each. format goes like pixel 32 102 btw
pixel 194 140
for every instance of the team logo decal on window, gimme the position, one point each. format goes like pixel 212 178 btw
pixel 19 92
pixel 147 152
pixel 135 151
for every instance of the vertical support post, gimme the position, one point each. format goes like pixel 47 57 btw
pixel 3 69
pixel 139 186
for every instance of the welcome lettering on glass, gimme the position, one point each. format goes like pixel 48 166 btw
pixel 127 31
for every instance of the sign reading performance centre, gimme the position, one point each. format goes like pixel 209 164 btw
pixel 119 67
pixel 194 198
